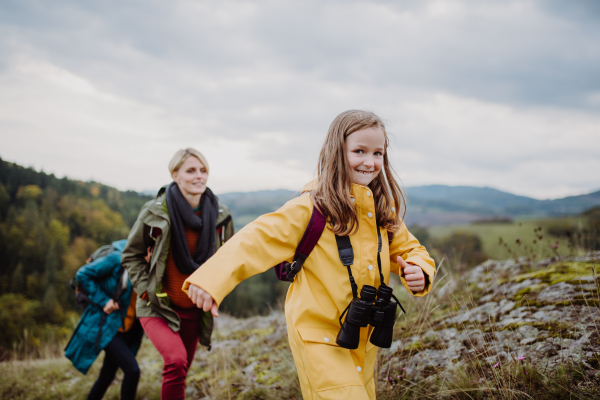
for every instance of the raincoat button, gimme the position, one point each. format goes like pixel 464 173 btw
pixel 370 267
pixel 352 198
pixel 370 215
pixel 326 339
pixel 393 208
pixel 368 193
pixel 358 369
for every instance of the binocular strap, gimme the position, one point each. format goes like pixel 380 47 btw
pixel 342 316
pixel 347 257
pixel 382 281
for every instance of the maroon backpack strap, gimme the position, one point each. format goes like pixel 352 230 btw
pixel 316 225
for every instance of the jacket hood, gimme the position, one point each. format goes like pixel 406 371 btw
pixel 312 185
pixel 119 244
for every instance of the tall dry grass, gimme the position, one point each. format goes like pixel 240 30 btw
pixel 476 377
pixel 251 359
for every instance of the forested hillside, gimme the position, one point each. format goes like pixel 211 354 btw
pixel 48 227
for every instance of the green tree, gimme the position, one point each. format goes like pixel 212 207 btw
pixel 58 235
pixel 17 282
pixel 464 248
pixel 256 295
pixel 421 233
pixel 53 311
pixel 14 237
pixel 593 227
pixel 4 202
pixel 35 286
pixel 51 266
pixel 29 192
pixel 17 313
pixel 31 216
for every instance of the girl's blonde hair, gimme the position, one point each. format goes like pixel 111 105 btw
pixel 182 155
pixel 332 195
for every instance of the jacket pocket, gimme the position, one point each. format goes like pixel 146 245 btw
pixel 329 366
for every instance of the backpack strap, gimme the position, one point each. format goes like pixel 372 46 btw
pixel 99 335
pixel 286 271
pixel 347 257
pixel 121 286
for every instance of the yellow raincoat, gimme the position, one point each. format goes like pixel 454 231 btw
pixel 321 290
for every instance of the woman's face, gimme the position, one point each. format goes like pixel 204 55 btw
pixel 191 177
pixel 364 150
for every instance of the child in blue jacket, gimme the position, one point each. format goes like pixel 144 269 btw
pixel 107 323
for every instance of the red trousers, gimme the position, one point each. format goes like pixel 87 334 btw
pixel 176 348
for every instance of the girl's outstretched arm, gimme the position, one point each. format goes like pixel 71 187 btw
pixel 408 248
pixel 269 240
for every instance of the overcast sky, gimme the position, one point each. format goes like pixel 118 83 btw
pixel 500 93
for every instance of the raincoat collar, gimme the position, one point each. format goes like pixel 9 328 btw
pixel 362 195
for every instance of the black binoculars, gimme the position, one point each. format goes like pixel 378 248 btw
pixel 374 308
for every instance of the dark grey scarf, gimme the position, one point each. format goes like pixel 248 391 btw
pixel 181 213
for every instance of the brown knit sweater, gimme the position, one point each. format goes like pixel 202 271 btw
pixel 173 279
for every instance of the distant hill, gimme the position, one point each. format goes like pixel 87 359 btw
pixel 431 205
pixel 247 206
pixel 439 205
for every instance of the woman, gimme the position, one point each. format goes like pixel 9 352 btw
pixel 108 323
pixel 183 226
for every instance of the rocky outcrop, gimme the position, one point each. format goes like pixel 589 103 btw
pixel 498 313
pixel 510 311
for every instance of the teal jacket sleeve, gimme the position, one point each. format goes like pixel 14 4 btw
pixel 90 274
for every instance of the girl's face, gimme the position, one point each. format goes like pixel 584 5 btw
pixel 191 177
pixel 364 150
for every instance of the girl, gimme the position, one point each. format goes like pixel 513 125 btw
pixel 357 191
pixel 184 225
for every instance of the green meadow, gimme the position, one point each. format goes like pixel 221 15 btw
pixel 494 236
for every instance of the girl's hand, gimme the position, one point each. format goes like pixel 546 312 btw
pixel 203 300
pixel 110 306
pixel 415 278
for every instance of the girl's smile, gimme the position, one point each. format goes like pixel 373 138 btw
pixel 364 149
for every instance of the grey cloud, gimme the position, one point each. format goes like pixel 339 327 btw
pixel 485 50
pixel 243 70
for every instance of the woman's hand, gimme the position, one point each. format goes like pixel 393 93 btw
pixel 110 306
pixel 415 278
pixel 202 300
pixel 149 254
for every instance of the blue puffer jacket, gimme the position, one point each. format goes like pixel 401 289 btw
pixel 96 329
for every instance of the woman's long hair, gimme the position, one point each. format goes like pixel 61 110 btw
pixel 332 195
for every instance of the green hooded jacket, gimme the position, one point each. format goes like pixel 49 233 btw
pixel 152 229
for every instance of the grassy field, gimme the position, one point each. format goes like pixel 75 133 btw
pixel 251 360
pixel 490 234
pixel 55 378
